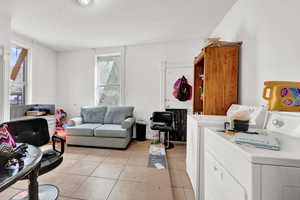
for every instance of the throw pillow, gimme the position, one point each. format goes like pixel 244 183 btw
pixel 93 114
pixel 7 143
pixel 117 114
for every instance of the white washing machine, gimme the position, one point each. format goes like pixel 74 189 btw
pixel 195 140
pixel 243 172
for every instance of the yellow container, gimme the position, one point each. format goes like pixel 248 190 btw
pixel 282 95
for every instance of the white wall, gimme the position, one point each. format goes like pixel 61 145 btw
pixel 143 72
pixel 5 29
pixel 43 70
pixel 4 42
pixel 270 30
pixel 142 75
pixel 75 80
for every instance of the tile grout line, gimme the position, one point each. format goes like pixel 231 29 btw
pixel 117 180
pixel 96 168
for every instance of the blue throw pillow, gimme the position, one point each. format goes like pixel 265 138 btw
pixel 117 114
pixel 93 114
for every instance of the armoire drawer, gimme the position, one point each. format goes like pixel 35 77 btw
pixel 219 184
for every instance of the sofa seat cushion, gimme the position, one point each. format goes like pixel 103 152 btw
pixel 82 130
pixel 111 130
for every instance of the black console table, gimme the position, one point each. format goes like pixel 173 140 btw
pixel 27 166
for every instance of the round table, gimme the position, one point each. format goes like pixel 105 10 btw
pixel 27 166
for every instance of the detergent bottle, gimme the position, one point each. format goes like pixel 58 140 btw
pixel 282 95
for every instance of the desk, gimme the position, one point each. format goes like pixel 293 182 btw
pixel 27 166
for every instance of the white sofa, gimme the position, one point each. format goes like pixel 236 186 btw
pixel 109 127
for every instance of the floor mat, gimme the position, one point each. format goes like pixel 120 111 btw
pixel 157 156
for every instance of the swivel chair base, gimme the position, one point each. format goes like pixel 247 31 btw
pixel 170 145
pixel 165 141
pixel 46 192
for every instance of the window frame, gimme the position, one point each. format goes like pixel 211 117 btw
pixel 27 74
pixel 98 53
pixel 5 115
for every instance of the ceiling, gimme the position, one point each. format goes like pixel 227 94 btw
pixel 64 25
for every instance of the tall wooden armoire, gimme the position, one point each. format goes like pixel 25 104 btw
pixel 216 78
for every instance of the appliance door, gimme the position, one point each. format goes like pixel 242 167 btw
pixel 280 183
pixel 193 155
pixel 219 184
pixel 195 149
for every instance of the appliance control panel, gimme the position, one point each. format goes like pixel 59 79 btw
pixel 284 122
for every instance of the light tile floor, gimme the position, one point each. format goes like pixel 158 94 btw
pixel 104 174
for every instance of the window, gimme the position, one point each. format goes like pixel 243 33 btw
pixel 108 80
pixel 18 75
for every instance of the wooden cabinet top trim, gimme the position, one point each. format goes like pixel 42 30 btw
pixel 214 44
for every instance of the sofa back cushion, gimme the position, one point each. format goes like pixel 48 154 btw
pixel 117 114
pixel 93 114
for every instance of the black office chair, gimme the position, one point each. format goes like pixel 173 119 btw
pixel 163 122
pixel 36 133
